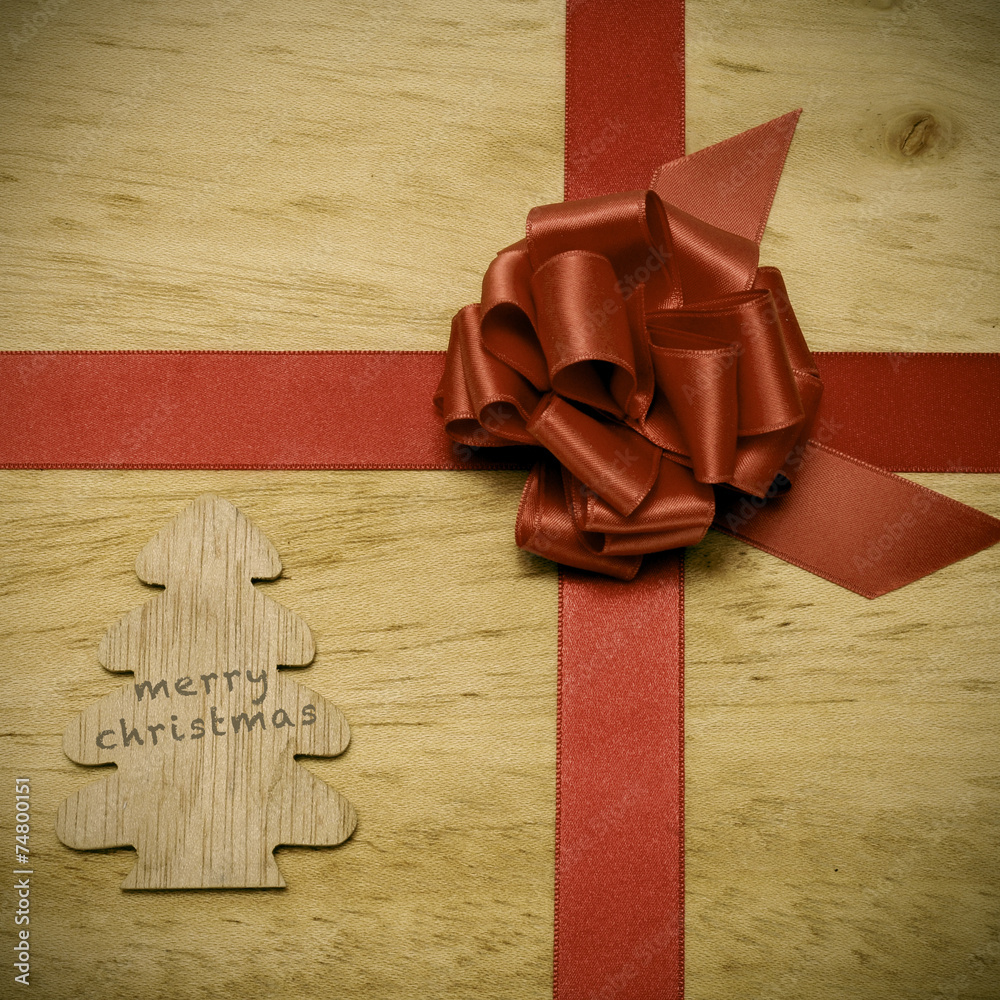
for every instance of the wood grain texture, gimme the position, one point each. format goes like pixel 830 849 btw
pixel 843 802
pixel 448 682
pixel 222 175
pixel 227 174
pixel 206 789
pixel 886 220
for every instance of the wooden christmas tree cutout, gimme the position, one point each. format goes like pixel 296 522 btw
pixel 205 738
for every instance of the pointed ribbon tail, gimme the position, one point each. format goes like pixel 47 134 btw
pixel 856 525
pixel 731 184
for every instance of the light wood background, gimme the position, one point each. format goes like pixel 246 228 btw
pixel 237 174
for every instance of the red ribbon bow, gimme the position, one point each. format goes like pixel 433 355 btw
pixel 635 338
pixel 652 358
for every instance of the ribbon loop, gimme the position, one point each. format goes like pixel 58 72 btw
pixel 488 386
pixel 508 316
pixel 697 377
pixel 768 395
pixel 582 326
pixel 544 526
pixel 613 460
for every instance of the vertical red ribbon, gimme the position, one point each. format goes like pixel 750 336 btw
pixel 619 922
pixel 619 905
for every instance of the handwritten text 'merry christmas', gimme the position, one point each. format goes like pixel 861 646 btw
pixel 218 724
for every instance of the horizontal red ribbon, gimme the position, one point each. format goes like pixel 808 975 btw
pixel 913 412
pixel 225 410
pixel 275 410
pixel 370 410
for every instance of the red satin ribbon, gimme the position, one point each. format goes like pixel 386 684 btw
pixel 372 410
pixel 619 920
pixel 636 339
